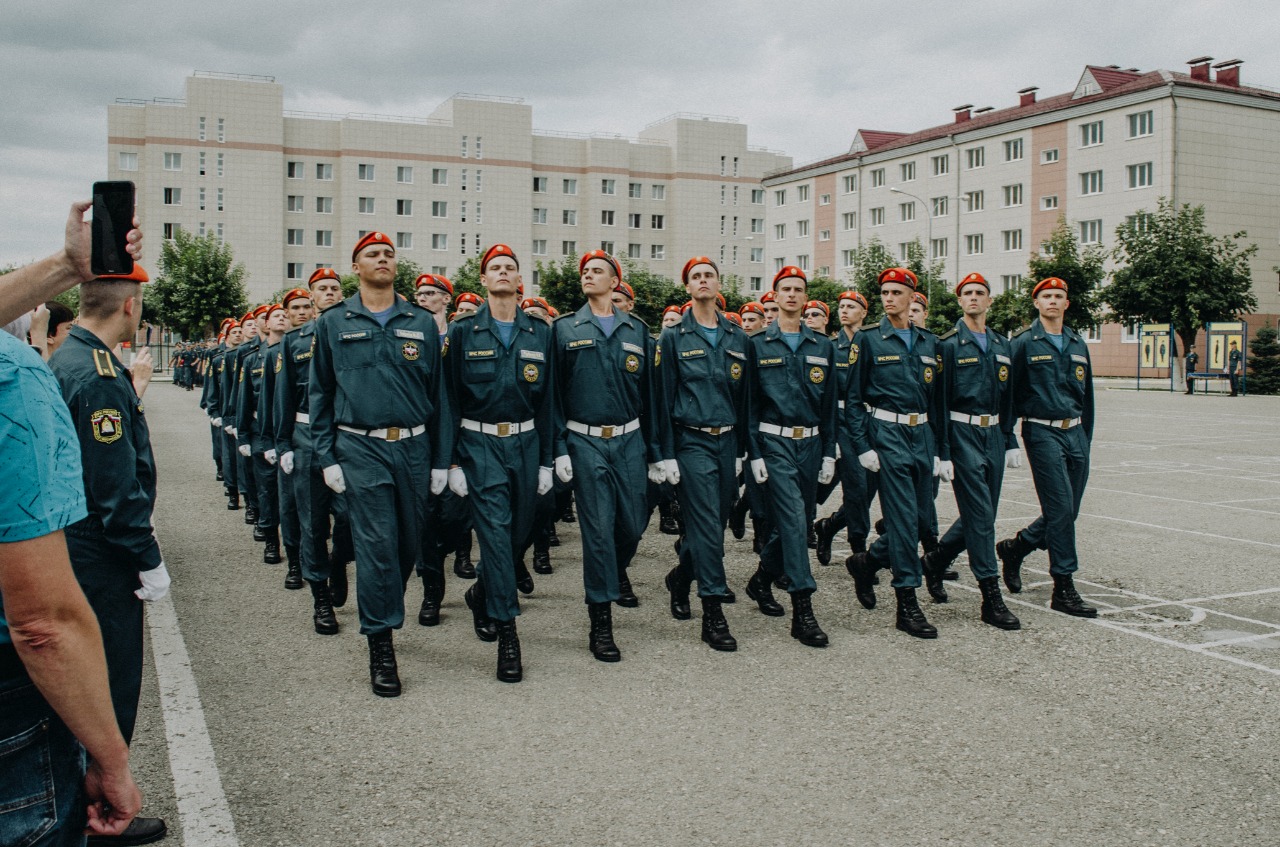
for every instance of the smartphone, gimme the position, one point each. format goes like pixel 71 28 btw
pixel 112 219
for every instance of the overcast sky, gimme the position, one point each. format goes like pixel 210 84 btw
pixel 803 75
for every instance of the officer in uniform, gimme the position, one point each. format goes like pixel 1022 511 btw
pixel 976 366
pixel 232 378
pixel 113 549
pixel 1190 362
pixel 791 432
pixel 255 434
pixel 752 315
pixel 701 369
pixel 499 369
pixel 380 423
pixel 299 310
pixel 895 411
pixel 209 391
pixel 1234 358
pixel 1053 394
pixel 605 391
pixel 216 409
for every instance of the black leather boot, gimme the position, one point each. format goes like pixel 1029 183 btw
pixel 813 538
pixel 1067 600
pixel 667 519
pixel 862 568
pixel 601 638
pixel 930 564
pixel 881 527
pixel 338 582
pixel 509 667
pixel 293 578
pixel 826 530
pixel 233 501
pixel 484 626
pixel 1011 552
pixel 994 611
pixel 729 598
pixel 542 557
pixel 326 622
pixel 804 626
pixel 553 538
pixel 271 550
pixel 429 614
pixel 566 515
pixel 462 560
pixel 910 619
pixel 738 517
pixel 524 579
pixel 858 543
pixel 383 673
pixel 678 584
pixel 759 590
pixel 627 598
pixel 715 629
pixel 251 514
pixel 757 537
pixel 259 534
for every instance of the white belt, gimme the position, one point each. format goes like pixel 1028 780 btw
pixel 302 417
pixel 840 405
pixel 913 419
pixel 711 430
pixel 796 432
pixel 391 433
pixel 502 430
pixel 976 420
pixel 1063 423
pixel 604 431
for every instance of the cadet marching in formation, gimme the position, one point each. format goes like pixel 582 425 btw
pixel 398 432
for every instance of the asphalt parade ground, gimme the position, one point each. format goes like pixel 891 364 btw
pixel 1155 724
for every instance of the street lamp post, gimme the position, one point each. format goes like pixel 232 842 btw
pixel 928 223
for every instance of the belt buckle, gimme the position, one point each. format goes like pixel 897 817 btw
pixel 984 420
pixel 606 431
pixel 504 429
pixel 393 433
pixel 713 430
pixel 913 419
pixel 1065 424
pixel 797 432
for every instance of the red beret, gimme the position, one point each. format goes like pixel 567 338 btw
pixel 530 303
pixel 322 273
pixel 917 297
pixel 296 294
pixel 224 323
pixel 901 276
pixel 675 309
pixel 696 260
pixel 248 316
pixel 974 277
pixel 789 270
pixel 232 323
pixel 498 250
pixel 735 317
pixel 768 297
pixel 261 310
pixel 625 289
pixel 453 316
pixel 274 307
pixel 818 304
pixel 855 296
pixel 468 297
pixel 724 304
pixel 686 307
pixel 753 306
pixel 372 238
pixel 600 254
pixel 1049 282
pixel 434 281
pixel 135 275
pixel 551 310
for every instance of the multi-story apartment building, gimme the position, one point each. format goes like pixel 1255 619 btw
pixel 293 191
pixel 983 191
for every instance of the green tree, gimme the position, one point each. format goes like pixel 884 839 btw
pixel 1080 267
pixel 1011 310
pixel 198 283
pixel 1264 362
pixel 873 257
pixel 1173 270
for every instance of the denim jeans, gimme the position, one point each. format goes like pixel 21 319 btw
pixel 42 769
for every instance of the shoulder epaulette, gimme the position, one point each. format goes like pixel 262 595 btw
pixel 1019 332
pixel 465 316
pixel 869 327
pixel 102 362
pixel 947 335
pixel 564 315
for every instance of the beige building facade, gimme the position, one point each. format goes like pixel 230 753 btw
pixel 293 191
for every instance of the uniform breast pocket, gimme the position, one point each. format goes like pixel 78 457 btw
pixel 480 370
pixel 695 365
pixel 355 350
pixel 772 371
pixel 1041 370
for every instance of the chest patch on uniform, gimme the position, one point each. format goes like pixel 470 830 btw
pixel 657 355
pixel 410 333
pixel 1003 373
pixel 817 360
pixel 279 362
pixel 968 360
pixel 106 425
pixel 353 336
pixel 533 355
pixel 632 348
pixel 853 354
pixel 735 354
pixel 302 357
pixel 632 364
pixel 928 375
pixel 1004 360
pixel 580 343
pixel 882 359
pixel 531 372
pixel 817 375
pixel 735 370
pixel 692 354
pixel 257 372
pixel 1047 358
pixel 1080 373
pixel 481 354
pixel 766 363
pixel 411 351
pixel 1076 357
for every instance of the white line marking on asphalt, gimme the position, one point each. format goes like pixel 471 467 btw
pixel 1221 504
pixel 1167 529
pixel 202 804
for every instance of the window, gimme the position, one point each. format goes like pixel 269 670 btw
pixel 657 251
pixel 607 246
pixel 464 155
pixel 1011 240
pixel 802 229
pixel 540 247
pixel 938 248
pixel 824 200
pixel 1140 222
pixel 802 193
pixel 293 237
pixel 568 248
pixel 365 206
pixel 633 251
pixel 479 151
pixel 173 196
pixel 1091 182
pixel 940 206
pixel 293 170
pixel 439 241
pixel 940 165
pixel 200 133
pixel 324 205
pixel 757 254
pixel 462 181
pixel 540 216
pixel 1048 157
pixel 200 198
pixel 439 176
pixel 757 225
pixel 324 172
pixel 569 186
pixel 441 269
pixel 404 174
pixel 906 211
pixel 462 212
pixel 569 217
pixel 724 189
pixel 849 220
pixel 221 160
pixel 1013 195
pixel 1093 334
pixel 324 238
pixel 824 235
pixel 1013 150
pixel 1010 282
pixel 778 264
pixel 973 245
pixel 802 261
pixel 173 162
pixel 659 192
pixel 975 157
pixel 877 216
pixel 607 186
pixel 404 240
pixel 539 185
pixel 757 196
pixel 780 197
pixel 1140 124
pixel 440 209
pixel 218 233
pixel 779 231
pixel 1140 176
pixel 633 220
pixel 633 190
pixel 907 171
pixel 171 231
pixel 129 161
pixel 848 257
pixel 220 198
pixel 974 201
pixel 479 180
pixel 850 183
pixel 1091 134
pixel 1091 232
pixel 222 130
pixel 877 178
pixel 404 208
pixel 293 203
pixel 735 165
pixel 722 161
pixel 722 220
pixel 757 283
pixel 1049 201
pixel 606 218
pixel 364 173
pixel 904 251
pixel 201 162
pixel 293 270
pixel 656 222
pixel 200 229
pixel 1129 333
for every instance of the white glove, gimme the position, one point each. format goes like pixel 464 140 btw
pixel 672 469
pixel 457 482
pixel 229 429
pixel 759 471
pixel 544 481
pixel 870 460
pixel 947 470
pixel 828 471
pixel 937 464
pixel 1013 458
pixel 439 479
pixel 334 478
pixel 217 422
pixel 244 450
pixel 564 469
pixel 286 462
pixel 155 584
pixel 270 456
pixel 737 466
pixel 657 473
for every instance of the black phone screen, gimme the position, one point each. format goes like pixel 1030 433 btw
pixel 112 219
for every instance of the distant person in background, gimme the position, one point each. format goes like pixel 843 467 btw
pixel 1192 359
pixel 1234 358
